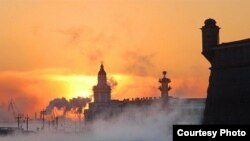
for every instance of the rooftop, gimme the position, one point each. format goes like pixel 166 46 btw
pixel 234 44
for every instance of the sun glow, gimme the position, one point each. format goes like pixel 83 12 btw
pixel 76 85
pixel 81 85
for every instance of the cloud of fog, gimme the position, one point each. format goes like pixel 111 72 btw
pixel 73 34
pixel 136 86
pixel 152 123
pixel 187 87
pixel 112 82
pixel 138 64
pixel 75 104
pixel 13 87
pixel 5 114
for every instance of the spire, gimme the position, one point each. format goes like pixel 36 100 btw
pixel 102 91
pixel 102 78
pixel 101 71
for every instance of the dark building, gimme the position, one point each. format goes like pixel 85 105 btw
pixel 102 91
pixel 105 107
pixel 228 98
pixel 164 88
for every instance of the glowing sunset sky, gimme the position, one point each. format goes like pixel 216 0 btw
pixel 53 48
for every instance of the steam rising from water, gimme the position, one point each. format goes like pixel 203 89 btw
pixel 152 123
pixel 5 115
pixel 74 103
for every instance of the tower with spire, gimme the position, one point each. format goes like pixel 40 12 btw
pixel 102 91
pixel 164 88
pixel 103 107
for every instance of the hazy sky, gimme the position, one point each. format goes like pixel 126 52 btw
pixel 53 48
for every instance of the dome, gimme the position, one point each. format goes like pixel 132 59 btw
pixel 210 22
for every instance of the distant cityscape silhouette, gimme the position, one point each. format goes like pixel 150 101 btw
pixel 105 107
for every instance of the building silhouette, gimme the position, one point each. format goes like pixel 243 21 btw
pixel 164 88
pixel 104 106
pixel 228 94
pixel 102 91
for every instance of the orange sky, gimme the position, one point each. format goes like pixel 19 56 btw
pixel 53 48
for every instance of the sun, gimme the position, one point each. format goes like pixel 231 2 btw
pixel 79 88
pixel 76 85
pixel 80 85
